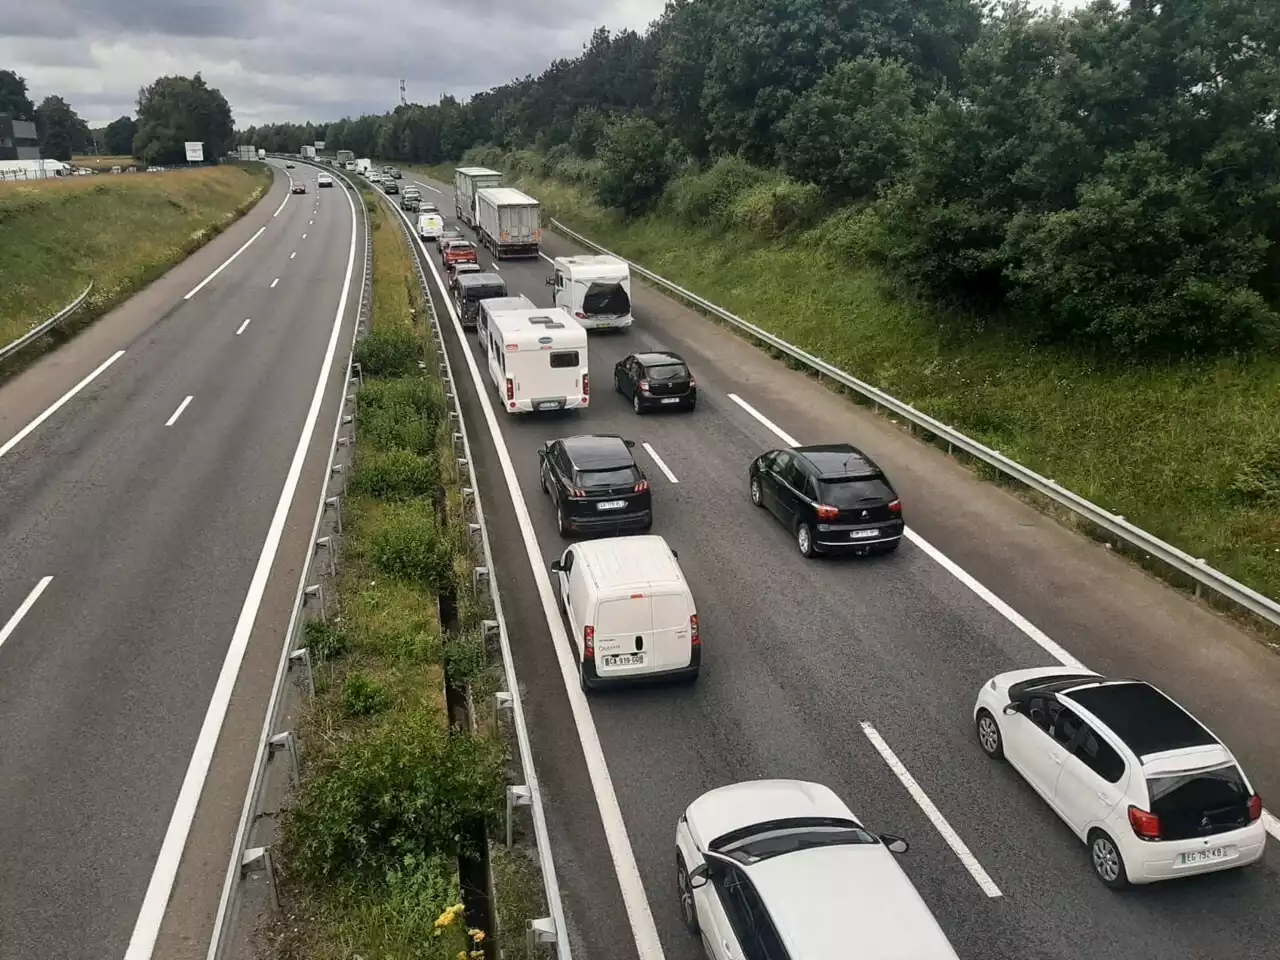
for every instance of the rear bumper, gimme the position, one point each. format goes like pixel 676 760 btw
pixel 1151 862
pixel 840 541
pixel 593 680
pixel 511 251
pixel 683 401
pixel 610 323
pixel 608 522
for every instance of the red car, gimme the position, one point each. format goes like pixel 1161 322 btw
pixel 459 251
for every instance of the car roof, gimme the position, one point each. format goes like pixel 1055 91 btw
pixel 461 243
pixel 474 279
pixel 837 459
pixel 597 451
pixel 625 563
pixel 1144 718
pixel 655 358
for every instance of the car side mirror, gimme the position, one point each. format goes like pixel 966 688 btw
pixel 556 566
pixel 698 877
pixel 896 845
pixel 676 554
pixel 630 443
pixel 1010 709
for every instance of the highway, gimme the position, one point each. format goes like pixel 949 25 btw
pixel 858 673
pixel 150 553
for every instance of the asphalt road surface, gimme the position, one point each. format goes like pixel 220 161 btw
pixel 135 516
pixel 800 655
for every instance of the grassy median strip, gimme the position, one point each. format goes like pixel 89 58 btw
pixel 121 231
pixel 1188 451
pixel 393 793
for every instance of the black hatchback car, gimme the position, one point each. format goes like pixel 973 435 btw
pixel 596 485
pixel 656 380
pixel 832 497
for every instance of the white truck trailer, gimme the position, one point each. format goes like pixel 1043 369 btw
pixel 308 151
pixel 509 222
pixel 467 181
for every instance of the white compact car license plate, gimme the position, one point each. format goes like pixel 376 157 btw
pixel 624 660
pixel 670 399
pixel 1208 855
pixel 611 504
pixel 863 534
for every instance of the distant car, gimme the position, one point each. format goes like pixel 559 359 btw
pixel 458 268
pixel 374 177
pixel 409 199
pixel 395 173
pixel 389 185
pixel 595 484
pixel 298 187
pixel 459 251
pixel 324 180
pixel 1141 781
pixel 427 207
pixel 765 863
pixel 447 236
pixel 154 169
pixel 655 380
pixel 832 497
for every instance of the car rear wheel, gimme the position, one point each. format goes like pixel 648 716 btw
pixel 561 525
pixel 804 540
pixel 989 735
pixel 542 479
pixel 635 403
pixel 617 383
pixel 688 912
pixel 1108 864
pixel 756 496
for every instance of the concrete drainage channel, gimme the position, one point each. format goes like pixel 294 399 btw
pixel 249 891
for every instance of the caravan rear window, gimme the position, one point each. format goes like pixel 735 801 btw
pixel 606 300
pixel 563 359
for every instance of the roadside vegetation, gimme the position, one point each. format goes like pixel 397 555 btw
pixel 122 232
pixel 402 771
pixel 105 162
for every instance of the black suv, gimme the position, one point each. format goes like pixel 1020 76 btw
pixel 596 485
pixel 832 496
pixel 470 288
pixel 655 380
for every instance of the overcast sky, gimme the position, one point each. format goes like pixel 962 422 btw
pixel 277 60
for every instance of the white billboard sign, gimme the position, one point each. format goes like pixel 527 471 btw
pixel 195 151
pixel 319 144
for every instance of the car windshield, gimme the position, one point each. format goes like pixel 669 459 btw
pixel 611 477
pixel 772 839
pixel 667 371
pixel 853 492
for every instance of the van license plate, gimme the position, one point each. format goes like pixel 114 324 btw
pixel 550 404
pixel 1205 856
pixel 611 504
pixel 623 660
pixel 863 534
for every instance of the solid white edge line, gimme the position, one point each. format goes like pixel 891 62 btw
pixel 659 461
pixel 225 263
pixel 274 282
pixel 636 903
pixel 7 630
pixel 292 255
pixel 177 413
pixel 967 859
pixel 287 194
pixel 156 900
pixel 54 407
pixel 1272 824
pixel 242 326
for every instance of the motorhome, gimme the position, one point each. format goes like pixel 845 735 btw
pixel 537 359
pixel 595 290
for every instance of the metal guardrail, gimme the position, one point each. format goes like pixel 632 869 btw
pixel 246 860
pixel 40 329
pixel 1196 569
pixel 541 930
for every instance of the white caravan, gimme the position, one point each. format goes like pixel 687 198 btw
pixel 537 359
pixel 594 289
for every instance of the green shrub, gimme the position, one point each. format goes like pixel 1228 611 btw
pixel 363 697
pixel 395 475
pixel 776 207
pixel 465 658
pixel 699 197
pixel 402 414
pixel 390 351
pixel 409 544
pixel 409 790
pixel 324 640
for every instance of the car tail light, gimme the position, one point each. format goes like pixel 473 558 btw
pixel 586 385
pixel 511 389
pixel 1146 826
pixel 692 382
pixel 642 486
pixel 1255 807
pixel 576 494
pixel 896 507
pixel 828 513
pixel 643 386
pixel 695 638
pixel 588 642
pixel 580 315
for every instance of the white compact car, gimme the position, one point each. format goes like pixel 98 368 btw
pixel 1153 793
pixel 324 180
pixel 783 869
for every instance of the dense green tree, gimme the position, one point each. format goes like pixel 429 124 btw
pixel 174 110
pixel 62 132
pixel 634 165
pixel 118 136
pixel 14 99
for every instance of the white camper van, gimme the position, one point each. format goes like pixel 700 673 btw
pixel 537 359
pixel 596 290
pixel 630 612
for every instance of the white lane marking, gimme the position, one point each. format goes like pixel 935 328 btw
pixel 147 928
pixel 53 408
pixel 643 929
pixel 304 236
pixel 659 461
pixel 177 413
pixel 1029 629
pixel 292 255
pixel 428 186
pixel 285 200
pixel 242 326
pixel 545 257
pixel 7 630
pixel 225 263
pixel 1273 824
pixel 274 282
pixel 967 859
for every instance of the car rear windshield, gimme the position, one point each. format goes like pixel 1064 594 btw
pixel 667 371
pixel 606 300
pixel 485 292
pixel 617 476
pixel 1200 802
pixel 787 836
pixel 855 492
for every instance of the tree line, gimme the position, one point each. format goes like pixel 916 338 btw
pixel 1108 176
pixel 170 111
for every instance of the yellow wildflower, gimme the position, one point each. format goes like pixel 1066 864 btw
pixel 476 935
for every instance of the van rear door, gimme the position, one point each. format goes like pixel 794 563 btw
pixel 623 636
pixel 672 640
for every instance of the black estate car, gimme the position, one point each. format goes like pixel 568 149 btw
pixel 831 496
pixel 655 380
pixel 596 485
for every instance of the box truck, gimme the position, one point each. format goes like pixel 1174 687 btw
pixel 364 165
pixel 308 152
pixel 466 181
pixel 262 154
pixel 344 157
pixel 508 222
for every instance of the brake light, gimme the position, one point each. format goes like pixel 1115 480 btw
pixel 1255 807
pixel 580 315
pixel 588 642
pixel 576 494
pixel 692 382
pixel 896 507
pixel 644 386
pixel 827 513
pixel 695 638
pixel 586 385
pixel 642 486
pixel 511 389
pixel 1146 826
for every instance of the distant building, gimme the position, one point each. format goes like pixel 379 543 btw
pixel 18 140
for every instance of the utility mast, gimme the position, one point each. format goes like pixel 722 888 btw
pixel 403 99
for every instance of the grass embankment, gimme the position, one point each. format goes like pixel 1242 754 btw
pixel 392 793
pixel 121 232
pixel 1190 452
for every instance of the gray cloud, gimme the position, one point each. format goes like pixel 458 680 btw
pixel 279 60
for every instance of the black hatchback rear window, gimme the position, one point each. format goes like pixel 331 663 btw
pixel 667 371
pixel 847 494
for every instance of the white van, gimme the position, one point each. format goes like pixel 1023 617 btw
pixel 537 359
pixel 631 614
pixel 596 290
pixel 430 226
